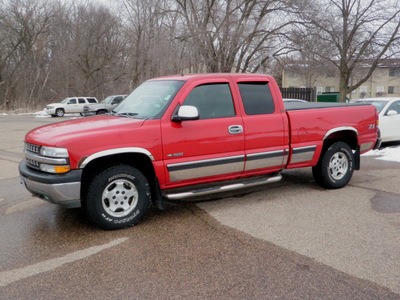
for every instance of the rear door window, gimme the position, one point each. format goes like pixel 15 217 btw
pixel 257 98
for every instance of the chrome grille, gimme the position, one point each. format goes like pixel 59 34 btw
pixel 35 149
pixel 32 148
pixel 33 163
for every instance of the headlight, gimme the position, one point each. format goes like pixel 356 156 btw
pixel 53 152
pixel 47 159
pixel 49 107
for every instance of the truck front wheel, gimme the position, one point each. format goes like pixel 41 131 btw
pixel 335 167
pixel 117 197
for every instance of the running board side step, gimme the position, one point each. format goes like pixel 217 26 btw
pixel 223 188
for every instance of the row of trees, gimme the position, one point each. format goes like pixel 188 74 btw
pixel 53 49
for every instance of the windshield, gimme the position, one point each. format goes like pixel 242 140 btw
pixel 149 100
pixel 107 100
pixel 65 100
pixel 379 104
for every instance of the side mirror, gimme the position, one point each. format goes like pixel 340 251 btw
pixel 185 113
pixel 391 113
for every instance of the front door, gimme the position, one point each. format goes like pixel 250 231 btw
pixel 208 149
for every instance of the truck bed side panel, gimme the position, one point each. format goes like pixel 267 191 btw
pixel 311 127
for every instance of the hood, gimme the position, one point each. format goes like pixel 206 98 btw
pixel 60 134
pixel 53 104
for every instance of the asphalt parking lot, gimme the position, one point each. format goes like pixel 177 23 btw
pixel 288 240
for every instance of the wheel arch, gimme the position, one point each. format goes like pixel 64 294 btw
pixel 140 159
pixel 346 134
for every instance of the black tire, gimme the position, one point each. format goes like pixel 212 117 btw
pixel 335 167
pixel 59 112
pixel 101 112
pixel 117 197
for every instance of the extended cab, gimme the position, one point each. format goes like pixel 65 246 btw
pixel 179 137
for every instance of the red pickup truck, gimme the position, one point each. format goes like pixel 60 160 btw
pixel 177 137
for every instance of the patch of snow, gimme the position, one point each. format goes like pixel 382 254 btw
pixel 387 154
pixel 42 114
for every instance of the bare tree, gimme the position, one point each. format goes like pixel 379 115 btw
pixel 23 64
pixel 95 48
pixel 234 35
pixel 150 30
pixel 354 32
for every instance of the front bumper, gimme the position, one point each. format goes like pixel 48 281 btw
pixel 50 111
pixel 63 189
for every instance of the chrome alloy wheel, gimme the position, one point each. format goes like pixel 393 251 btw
pixel 119 198
pixel 338 165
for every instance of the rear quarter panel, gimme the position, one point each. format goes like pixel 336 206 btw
pixel 311 127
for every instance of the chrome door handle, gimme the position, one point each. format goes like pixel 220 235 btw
pixel 235 129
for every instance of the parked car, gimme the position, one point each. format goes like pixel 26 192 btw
pixel 104 106
pixel 69 105
pixel 179 137
pixel 389 116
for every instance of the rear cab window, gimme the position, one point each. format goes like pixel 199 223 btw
pixel 257 98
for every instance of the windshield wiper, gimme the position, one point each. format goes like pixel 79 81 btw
pixel 127 115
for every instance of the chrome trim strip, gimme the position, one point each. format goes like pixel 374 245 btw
pixel 116 151
pixel 339 129
pixel 206 167
pixel 224 188
pixel 46 160
pixel 286 157
pixel 264 160
pixel 366 146
pixel 302 154
pixel 205 162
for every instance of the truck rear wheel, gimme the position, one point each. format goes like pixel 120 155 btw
pixel 117 197
pixel 335 167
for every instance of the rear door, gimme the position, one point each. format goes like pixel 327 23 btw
pixel 81 103
pixel 208 149
pixel 266 128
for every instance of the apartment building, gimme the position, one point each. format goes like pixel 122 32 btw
pixel 384 82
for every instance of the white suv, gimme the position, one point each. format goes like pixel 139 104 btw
pixel 69 105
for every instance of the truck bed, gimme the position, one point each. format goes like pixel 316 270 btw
pixel 289 106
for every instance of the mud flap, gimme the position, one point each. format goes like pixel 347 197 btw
pixel 357 158
pixel 157 200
